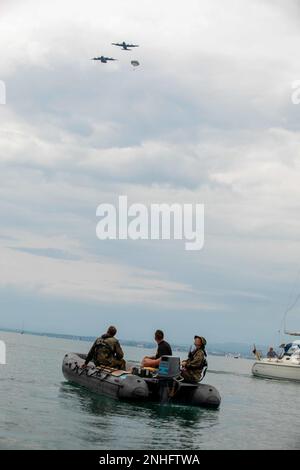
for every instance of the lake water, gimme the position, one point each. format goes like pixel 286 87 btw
pixel 40 410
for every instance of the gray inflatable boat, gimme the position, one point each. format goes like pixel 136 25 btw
pixel 163 386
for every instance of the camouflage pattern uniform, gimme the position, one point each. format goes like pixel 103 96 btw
pixel 107 351
pixel 194 365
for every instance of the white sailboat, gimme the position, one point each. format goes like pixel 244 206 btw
pixel 287 365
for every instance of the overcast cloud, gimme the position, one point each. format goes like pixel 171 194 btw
pixel 207 118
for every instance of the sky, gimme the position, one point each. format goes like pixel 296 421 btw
pixel 207 118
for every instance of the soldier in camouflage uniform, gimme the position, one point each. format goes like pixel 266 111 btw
pixel 107 351
pixel 193 366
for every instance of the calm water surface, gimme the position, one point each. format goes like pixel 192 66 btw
pixel 40 410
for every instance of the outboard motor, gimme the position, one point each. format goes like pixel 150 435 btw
pixel 169 368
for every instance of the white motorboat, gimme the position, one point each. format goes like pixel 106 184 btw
pixel 286 366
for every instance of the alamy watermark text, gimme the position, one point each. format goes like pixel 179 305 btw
pixel 158 222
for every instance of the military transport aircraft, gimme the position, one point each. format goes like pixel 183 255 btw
pixel 124 46
pixel 103 59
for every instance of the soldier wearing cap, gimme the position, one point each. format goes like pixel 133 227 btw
pixel 107 351
pixel 193 366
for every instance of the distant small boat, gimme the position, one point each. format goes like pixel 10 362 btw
pixel 235 356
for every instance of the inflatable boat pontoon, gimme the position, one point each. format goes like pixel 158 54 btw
pixel 164 385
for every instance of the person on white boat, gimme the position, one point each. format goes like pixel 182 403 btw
pixel 290 348
pixel 286 350
pixel 271 354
